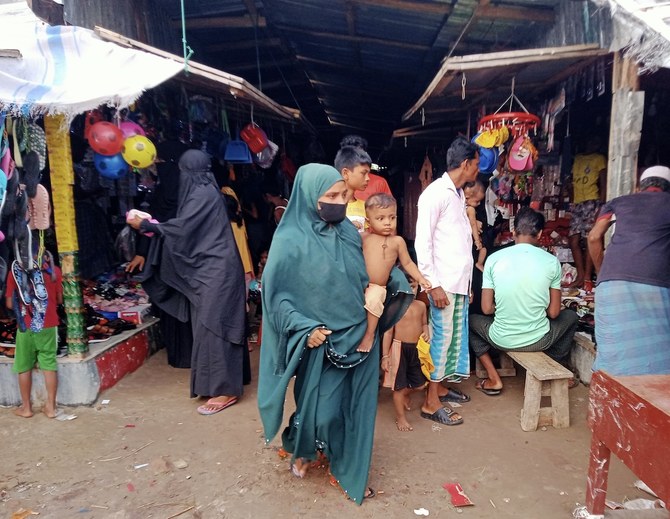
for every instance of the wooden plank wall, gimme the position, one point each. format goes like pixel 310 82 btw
pixel 142 20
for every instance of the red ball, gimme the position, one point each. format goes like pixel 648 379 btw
pixel 105 138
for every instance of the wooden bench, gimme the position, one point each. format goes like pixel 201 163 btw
pixel 544 377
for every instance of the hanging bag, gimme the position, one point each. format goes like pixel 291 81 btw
pixel 255 137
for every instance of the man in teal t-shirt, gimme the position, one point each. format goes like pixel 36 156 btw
pixel 522 289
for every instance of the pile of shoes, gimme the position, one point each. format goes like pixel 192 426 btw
pixel 104 329
pixel 7 337
pixel 7 351
pixel 113 292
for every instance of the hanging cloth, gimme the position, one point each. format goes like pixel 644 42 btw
pixel 426 174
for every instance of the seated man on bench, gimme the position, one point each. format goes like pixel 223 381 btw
pixel 521 288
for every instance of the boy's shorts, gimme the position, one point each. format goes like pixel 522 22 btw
pixel 37 347
pixel 409 370
pixel 584 217
pixel 375 297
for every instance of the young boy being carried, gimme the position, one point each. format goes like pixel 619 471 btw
pixel 381 249
pixel 474 194
pixel 401 361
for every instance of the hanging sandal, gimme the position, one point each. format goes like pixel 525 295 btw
pixel 37 280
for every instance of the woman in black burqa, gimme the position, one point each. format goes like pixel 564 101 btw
pixel 176 335
pixel 194 271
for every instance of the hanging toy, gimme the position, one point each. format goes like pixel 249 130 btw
pixel 112 167
pixel 138 151
pixel 130 129
pixel 105 138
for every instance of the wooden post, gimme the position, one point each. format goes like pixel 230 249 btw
pixel 62 182
pixel 625 127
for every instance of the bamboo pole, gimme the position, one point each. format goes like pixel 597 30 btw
pixel 62 182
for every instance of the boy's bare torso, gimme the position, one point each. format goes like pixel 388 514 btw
pixel 410 327
pixel 381 254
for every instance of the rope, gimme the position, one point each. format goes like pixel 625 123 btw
pixel 188 51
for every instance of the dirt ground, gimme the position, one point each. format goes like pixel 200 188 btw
pixel 96 465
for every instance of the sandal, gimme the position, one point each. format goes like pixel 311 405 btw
pixel 454 395
pixel 490 391
pixel 299 472
pixel 369 492
pixel 444 416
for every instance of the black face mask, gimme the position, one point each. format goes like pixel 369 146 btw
pixel 332 213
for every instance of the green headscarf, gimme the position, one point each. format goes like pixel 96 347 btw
pixel 315 276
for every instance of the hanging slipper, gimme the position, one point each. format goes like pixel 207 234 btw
pixel 37 280
pixel 39 209
pixel 3 274
pixel 3 196
pixel 31 173
pixel 37 141
pixel 11 191
pixel 21 280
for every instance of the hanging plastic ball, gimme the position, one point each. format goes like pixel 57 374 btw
pixel 112 167
pixel 138 151
pixel 105 138
pixel 130 129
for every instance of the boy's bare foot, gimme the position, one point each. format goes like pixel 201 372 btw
pixel 403 425
pixel 365 345
pixel 49 412
pixel 23 412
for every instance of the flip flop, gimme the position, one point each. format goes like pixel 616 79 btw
pixel 37 280
pixel 454 395
pixel 486 390
pixel 443 416
pixel 218 407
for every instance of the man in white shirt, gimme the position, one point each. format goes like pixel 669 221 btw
pixel 444 252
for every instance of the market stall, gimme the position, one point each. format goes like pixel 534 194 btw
pixel 60 92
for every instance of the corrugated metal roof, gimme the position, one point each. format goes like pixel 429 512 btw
pixel 355 65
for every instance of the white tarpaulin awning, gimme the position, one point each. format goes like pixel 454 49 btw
pixel 642 28
pixel 69 70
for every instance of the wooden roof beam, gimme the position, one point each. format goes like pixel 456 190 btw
pixel 405 5
pixel 347 116
pixel 242 45
pixel 221 22
pixel 521 14
pixel 356 39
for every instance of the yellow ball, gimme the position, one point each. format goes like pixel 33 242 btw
pixel 138 151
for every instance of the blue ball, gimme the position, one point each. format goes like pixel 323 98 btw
pixel 110 166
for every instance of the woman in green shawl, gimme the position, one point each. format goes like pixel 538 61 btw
pixel 313 322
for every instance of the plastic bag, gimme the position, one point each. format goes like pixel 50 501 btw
pixel 125 243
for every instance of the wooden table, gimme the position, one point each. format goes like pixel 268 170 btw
pixel 629 416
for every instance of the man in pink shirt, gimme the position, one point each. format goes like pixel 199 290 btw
pixel 444 253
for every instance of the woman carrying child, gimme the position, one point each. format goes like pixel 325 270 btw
pixel 313 322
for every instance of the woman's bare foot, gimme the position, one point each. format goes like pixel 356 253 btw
pixel 49 411
pixel 24 412
pixel 403 425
